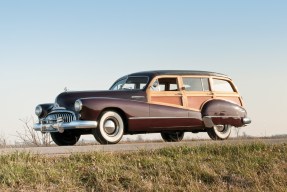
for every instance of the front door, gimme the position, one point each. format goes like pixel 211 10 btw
pixel 166 91
pixel 167 104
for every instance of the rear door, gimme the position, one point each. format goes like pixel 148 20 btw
pixel 197 91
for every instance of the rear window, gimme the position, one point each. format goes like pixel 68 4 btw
pixel 222 85
pixel 196 84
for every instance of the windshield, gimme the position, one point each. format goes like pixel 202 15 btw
pixel 130 83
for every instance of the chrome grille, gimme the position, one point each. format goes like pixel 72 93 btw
pixel 66 116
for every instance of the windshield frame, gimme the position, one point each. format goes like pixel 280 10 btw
pixel 125 78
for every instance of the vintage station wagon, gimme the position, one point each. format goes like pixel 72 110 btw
pixel 167 102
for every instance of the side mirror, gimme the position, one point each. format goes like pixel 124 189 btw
pixel 155 84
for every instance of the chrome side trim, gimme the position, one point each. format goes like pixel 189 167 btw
pixel 161 118
pixel 137 97
pixel 62 126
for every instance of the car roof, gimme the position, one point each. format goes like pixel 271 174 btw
pixel 177 72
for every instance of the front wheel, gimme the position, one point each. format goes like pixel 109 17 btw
pixel 219 132
pixel 66 138
pixel 110 129
pixel 172 136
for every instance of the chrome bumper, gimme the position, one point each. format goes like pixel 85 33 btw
pixel 208 120
pixel 61 126
pixel 246 120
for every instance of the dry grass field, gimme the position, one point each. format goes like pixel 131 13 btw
pixel 246 167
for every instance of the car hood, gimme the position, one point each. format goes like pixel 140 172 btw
pixel 67 99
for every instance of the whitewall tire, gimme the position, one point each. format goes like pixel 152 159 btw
pixel 219 132
pixel 110 129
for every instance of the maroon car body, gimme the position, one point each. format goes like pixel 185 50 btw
pixel 166 102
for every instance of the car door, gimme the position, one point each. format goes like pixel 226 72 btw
pixel 167 104
pixel 166 91
pixel 197 91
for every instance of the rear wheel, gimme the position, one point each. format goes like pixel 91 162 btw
pixel 110 129
pixel 172 136
pixel 66 138
pixel 219 132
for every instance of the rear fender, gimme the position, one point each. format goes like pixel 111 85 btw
pixel 222 112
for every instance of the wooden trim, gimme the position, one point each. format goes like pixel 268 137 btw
pixel 224 94
pixel 225 79
pixel 185 94
pixel 167 104
pixel 175 106
pixel 169 99
pixel 183 98
pixel 177 93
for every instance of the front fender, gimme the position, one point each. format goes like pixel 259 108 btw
pixel 93 107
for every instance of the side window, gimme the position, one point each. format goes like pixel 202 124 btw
pixel 205 84
pixel 195 84
pixel 165 84
pixel 222 85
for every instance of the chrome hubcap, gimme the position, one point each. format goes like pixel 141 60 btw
pixel 109 126
pixel 220 128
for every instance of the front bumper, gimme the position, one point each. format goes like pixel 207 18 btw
pixel 62 126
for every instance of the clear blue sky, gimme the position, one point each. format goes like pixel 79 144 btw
pixel 48 45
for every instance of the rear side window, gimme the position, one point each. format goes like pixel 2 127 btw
pixel 196 84
pixel 222 86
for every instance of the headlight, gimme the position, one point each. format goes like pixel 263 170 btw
pixel 78 105
pixel 38 110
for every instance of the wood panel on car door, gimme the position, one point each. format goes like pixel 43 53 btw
pixel 167 107
pixel 197 91
pixel 195 100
